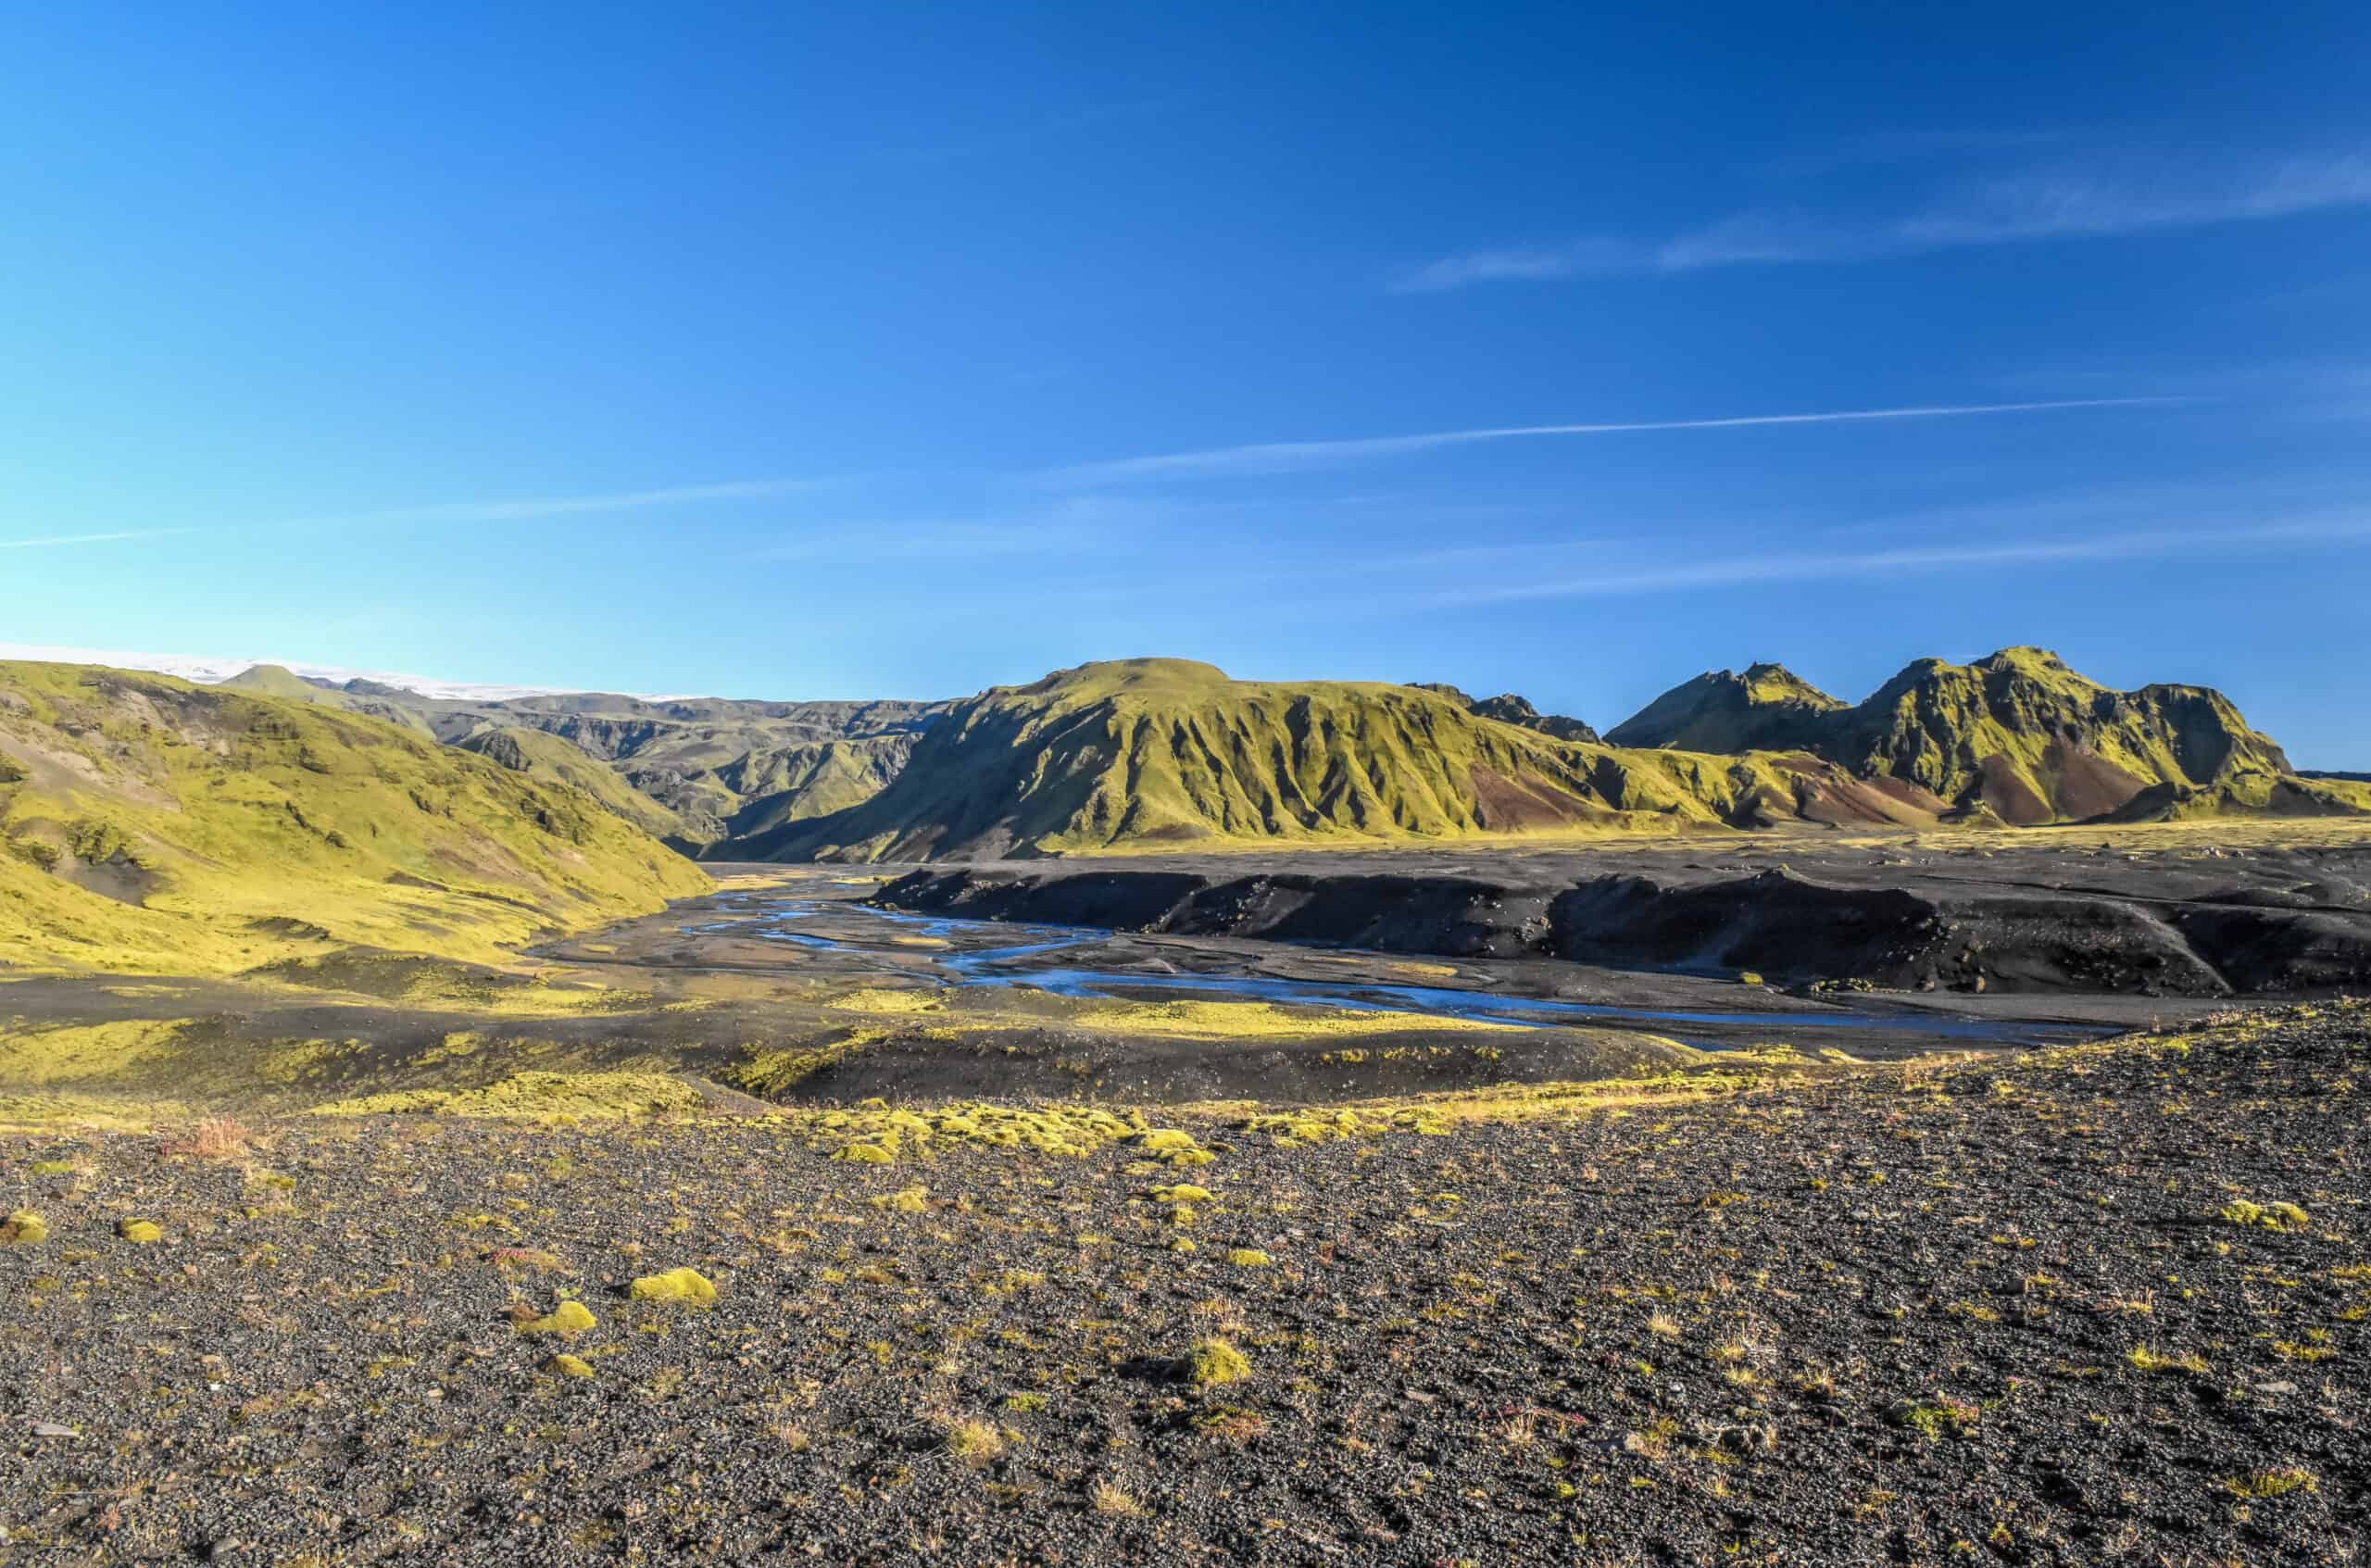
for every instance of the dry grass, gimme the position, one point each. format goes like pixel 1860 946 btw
pixel 217 1137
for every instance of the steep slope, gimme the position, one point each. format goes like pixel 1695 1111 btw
pixel 1147 753
pixel 543 756
pixel 1509 708
pixel 2023 737
pixel 717 770
pixel 2016 737
pixel 1767 708
pixel 149 825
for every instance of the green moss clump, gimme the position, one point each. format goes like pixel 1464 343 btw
pixel 2270 1216
pixel 139 1232
pixel 1171 1146
pixel 23 1228
pixel 52 1167
pixel 1214 1361
pixel 568 1366
pixel 568 1320
pixel 912 1200
pixel 675 1284
pixel 1184 1192
pixel 2267 1215
pixel 867 1154
pixel 1248 1257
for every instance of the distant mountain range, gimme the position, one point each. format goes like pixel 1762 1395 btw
pixel 1143 754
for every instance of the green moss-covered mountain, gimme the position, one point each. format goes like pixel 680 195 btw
pixel 147 824
pixel 2018 736
pixel 1153 753
pixel 1508 707
pixel 717 770
pixel 1767 708
pixel 1146 753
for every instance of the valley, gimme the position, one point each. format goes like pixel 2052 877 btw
pixel 1351 1093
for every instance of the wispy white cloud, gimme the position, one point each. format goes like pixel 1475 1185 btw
pixel 462 511
pixel 2036 206
pixel 1810 566
pixel 615 501
pixel 114 536
pixel 1276 457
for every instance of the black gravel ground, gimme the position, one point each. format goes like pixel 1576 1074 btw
pixel 1945 1313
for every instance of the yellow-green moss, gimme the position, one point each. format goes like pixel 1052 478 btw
pixel 567 1320
pixel 2275 1482
pixel 568 1366
pixel 1248 1257
pixel 139 1232
pixel 912 1200
pixel 23 1228
pixel 1173 1147
pixel 538 1096
pixel 1213 1361
pixel 675 1284
pixel 2269 1216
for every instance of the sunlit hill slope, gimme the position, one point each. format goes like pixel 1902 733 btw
pixel 150 824
pixel 2018 737
pixel 1152 753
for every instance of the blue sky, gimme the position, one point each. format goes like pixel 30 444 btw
pixel 873 351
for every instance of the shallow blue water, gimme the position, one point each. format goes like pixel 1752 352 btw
pixel 987 966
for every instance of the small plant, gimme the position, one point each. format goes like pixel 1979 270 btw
pixel 1248 1257
pixel 675 1284
pixel 1932 1418
pixel 218 1137
pixel 140 1233
pixel 975 1442
pixel 1104 1498
pixel 1213 1361
pixel 568 1366
pixel 23 1228
pixel 2275 1482
pixel 2148 1359
pixel 1663 1327
pixel 1233 1425
pixel 525 1260
pixel 912 1201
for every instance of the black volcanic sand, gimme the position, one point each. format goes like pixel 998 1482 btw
pixel 1987 1313
pixel 677 943
pixel 2069 911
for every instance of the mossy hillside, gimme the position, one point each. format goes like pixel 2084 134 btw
pixel 721 768
pixel 275 681
pixel 2018 736
pixel 154 825
pixel 1153 753
pixel 1768 708
pixel 2032 740
pixel 696 771
pixel 541 756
